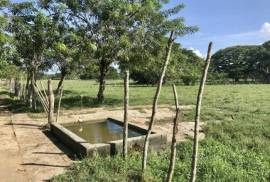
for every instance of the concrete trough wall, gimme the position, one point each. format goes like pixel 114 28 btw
pixel 82 148
pixel 157 141
pixel 78 145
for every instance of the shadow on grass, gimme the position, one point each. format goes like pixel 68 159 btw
pixel 73 99
pixel 18 106
pixel 70 100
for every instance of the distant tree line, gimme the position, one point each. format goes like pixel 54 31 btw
pixel 243 63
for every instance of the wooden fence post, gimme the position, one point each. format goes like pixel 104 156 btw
pixel 155 101
pixel 59 102
pixel 51 102
pixel 197 116
pixel 126 97
pixel 175 130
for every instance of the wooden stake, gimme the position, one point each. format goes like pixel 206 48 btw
pixel 41 94
pixel 45 106
pixel 197 116
pixel 175 130
pixel 51 102
pixel 44 92
pixel 126 97
pixel 59 103
pixel 154 107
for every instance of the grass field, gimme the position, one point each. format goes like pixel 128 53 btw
pixel 236 147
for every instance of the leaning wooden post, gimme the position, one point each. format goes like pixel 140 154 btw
pixel 126 97
pixel 154 106
pixel 175 130
pixel 197 116
pixel 51 102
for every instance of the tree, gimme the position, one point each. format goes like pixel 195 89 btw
pixel 103 24
pixel 9 71
pixel 4 37
pixel 243 62
pixel 184 65
pixel 7 51
pixel 68 48
pixel 31 30
pixel 116 28
pixel 233 61
pixel 191 67
pixel 260 59
pixel 90 70
pixel 66 54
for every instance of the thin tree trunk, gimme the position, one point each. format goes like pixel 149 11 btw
pixel 197 116
pixel 102 82
pixel 63 75
pixel 154 107
pixel 126 97
pixel 51 102
pixel 175 130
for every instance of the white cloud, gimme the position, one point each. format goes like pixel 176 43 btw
pixel 265 29
pixel 197 52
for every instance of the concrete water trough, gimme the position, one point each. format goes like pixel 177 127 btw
pixel 104 137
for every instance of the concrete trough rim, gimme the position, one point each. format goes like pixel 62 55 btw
pixel 84 148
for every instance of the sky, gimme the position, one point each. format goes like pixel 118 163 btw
pixel 225 22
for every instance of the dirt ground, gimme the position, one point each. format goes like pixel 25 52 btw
pixel 28 153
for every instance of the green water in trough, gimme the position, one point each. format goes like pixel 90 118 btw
pixel 100 131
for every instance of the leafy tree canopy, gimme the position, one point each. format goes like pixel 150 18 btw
pixel 244 62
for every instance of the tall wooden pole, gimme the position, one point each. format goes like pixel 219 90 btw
pixel 51 102
pixel 197 116
pixel 154 107
pixel 126 98
pixel 175 130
